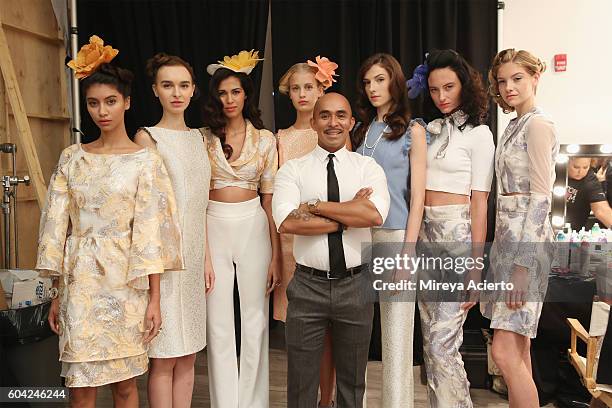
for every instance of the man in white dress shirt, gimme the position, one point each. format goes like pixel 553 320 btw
pixel 329 199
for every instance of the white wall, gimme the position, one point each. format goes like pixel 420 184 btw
pixel 579 100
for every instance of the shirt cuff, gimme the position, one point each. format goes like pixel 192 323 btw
pixel 280 213
pixel 381 205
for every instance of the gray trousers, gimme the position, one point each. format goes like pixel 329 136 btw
pixel 316 303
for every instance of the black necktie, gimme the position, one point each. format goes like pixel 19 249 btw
pixel 337 264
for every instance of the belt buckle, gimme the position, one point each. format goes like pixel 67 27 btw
pixel 329 277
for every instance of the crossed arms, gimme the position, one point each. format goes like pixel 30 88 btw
pixel 368 208
pixel 359 212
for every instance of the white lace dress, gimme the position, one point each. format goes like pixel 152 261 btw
pixel 183 300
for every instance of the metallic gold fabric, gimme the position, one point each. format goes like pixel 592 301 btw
pixel 110 221
pixel 254 168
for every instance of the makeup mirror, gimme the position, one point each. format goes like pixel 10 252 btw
pixel 582 194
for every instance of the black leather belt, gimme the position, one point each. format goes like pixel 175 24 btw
pixel 328 275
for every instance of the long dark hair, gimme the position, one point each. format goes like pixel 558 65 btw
pixel 398 116
pixel 109 74
pixel 474 99
pixel 213 116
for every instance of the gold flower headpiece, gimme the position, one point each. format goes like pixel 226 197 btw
pixel 244 62
pixel 91 56
pixel 326 70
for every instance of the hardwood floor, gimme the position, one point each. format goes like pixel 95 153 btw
pixel 278 383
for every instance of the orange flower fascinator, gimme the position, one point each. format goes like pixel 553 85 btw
pixel 326 68
pixel 91 56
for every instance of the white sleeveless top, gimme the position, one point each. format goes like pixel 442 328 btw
pixel 183 300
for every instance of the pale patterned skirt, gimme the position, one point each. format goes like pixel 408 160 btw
pixel 98 373
pixel 510 217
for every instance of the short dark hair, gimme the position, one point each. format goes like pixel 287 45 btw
pixel 109 74
pixel 474 99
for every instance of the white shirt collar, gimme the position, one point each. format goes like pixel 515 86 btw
pixel 322 154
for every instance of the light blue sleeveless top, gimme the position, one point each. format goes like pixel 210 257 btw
pixel 393 157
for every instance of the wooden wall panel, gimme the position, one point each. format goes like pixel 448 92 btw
pixel 37 51
pixel 40 89
pixel 33 17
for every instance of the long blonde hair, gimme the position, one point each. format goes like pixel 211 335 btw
pixel 283 84
pixel 532 64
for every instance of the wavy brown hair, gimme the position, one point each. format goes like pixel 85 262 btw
pixel 213 116
pixel 398 117
pixel 474 100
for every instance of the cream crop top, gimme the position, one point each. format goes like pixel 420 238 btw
pixel 254 168
pixel 459 161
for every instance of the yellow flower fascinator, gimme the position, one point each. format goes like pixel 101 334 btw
pixel 244 62
pixel 91 56
pixel 326 68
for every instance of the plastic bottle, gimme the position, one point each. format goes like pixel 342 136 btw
pixel 585 254
pixel 598 244
pixel 563 251
pixel 574 252
pixel 595 232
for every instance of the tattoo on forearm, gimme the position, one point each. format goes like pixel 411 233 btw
pixel 301 215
